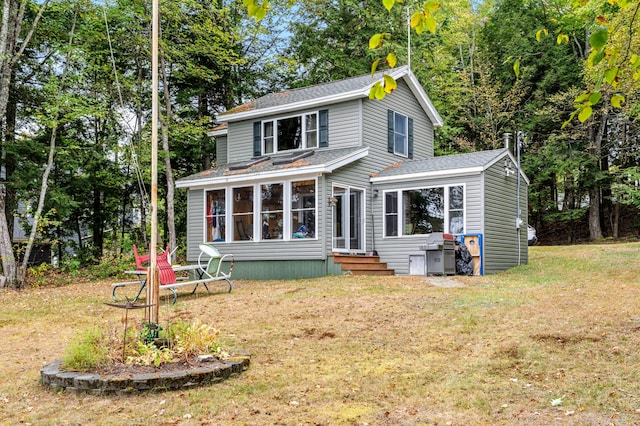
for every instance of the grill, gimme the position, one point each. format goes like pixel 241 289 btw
pixel 440 253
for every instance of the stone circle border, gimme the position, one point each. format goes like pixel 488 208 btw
pixel 208 373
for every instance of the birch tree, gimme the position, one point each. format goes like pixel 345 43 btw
pixel 12 45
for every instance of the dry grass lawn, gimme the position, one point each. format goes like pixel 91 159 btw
pixel 553 342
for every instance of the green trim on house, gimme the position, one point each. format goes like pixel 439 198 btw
pixel 284 269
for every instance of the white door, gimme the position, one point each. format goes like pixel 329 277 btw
pixel 348 219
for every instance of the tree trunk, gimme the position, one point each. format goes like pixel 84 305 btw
pixel 8 259
pixel 616 220
pixel 596 135
pixel 139 118
pixel 79 232
pixel 170 190
pixel 167 158
pixel 10 52
pixel 10 163
pixel 595 231
pixel 97 227
pixel 22 272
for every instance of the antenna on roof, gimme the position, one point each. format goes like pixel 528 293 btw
pixel 408 40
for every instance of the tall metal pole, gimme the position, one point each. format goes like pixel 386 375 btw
pixel 408 39
pixel 153 286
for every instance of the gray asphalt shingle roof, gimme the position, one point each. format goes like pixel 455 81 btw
pixel 442 163
pixel 308 93
pixel 274 164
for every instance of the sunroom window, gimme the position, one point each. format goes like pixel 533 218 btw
pixel 303 209
pixel 284 211
pixel 272 211
pixel 243 213
pixel 215 215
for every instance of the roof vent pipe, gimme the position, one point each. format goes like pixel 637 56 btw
pixel 507 140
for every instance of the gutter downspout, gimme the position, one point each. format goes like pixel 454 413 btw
pixel 519 136
pixel 374 252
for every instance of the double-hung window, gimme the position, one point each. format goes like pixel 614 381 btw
pixel 391 213
pixel 311 130
pixel 400 134
pixel 268 137
pixel 424 210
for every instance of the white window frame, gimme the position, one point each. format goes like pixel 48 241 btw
pixel 256 231
pixel 405 135
pixel 207 214
pixel 401 209
pixel 303 130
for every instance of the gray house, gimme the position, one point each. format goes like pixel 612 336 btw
pixel 313 181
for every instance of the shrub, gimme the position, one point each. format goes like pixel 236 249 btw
pixel 182 338
pixel 88 350
pixel 146 344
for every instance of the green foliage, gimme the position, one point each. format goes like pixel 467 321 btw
pixel 111 266
pixel 149 354
pixel 625 188
pixel 71 266
pixel 181 338
pixel 149 332
pixel 612 60
pixel 89 349
pixel 146 344
pixel 37 275
pixel 193 338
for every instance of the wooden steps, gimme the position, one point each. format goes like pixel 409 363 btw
pixel 362 265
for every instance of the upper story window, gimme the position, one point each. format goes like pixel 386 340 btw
pixel 289 133
pixel 399 134
pixel 297 132
pixel 400 141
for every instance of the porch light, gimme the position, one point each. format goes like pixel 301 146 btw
pixel 332 202
pixel 508 170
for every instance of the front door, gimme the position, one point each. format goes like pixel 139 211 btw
pixel 348 219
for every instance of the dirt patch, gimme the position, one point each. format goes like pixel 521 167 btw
pixel 442 281
pixel 130 369
pixel 566 339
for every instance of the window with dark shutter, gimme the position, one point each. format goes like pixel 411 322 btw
pixel 257 139
pixel 399 134
pixel 324 128
pixel 390 132
pixel 410 138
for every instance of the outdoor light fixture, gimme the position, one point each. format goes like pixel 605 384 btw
pixel 508 170
pixel 332 202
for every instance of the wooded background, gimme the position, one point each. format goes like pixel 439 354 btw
pixel 75 96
